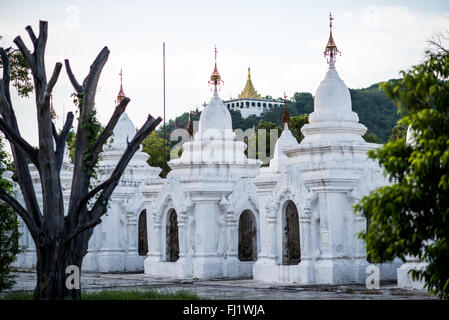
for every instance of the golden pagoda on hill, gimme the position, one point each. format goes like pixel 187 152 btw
pixel 250 102
pixel 249 91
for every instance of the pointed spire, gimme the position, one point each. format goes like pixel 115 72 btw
pixel 331 50
pixel 249 91
pixel 215 78
pixel 190 126
pixel 121 94
pixel 285 118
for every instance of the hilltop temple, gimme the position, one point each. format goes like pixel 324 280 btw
pixel 219 214
pixel 249 102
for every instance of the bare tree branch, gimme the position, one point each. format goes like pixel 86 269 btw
pixel 437 40
pixel 5 105
pixel 61 141
pixel 32 35
pixel 99 208
pixel 26 53
pixel 82 228
pixel 97 189
pixel 17 207
pixel 55 132
pixel 72 78
pixel 6 75
pixel 91 81
pixel 14 138
pixel 43 35
pixel 52 82
pixel 109 185
pixel 108 130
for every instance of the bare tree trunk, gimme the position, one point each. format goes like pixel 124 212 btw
pixel 61 240
pixel 52 261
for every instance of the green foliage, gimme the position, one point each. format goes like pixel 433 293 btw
pixel 375 110
pixel 118 295
pixel 371 137
pixel 19 72
pixel 9 229
pixel 71 141
pixel 264 132
pixel 92 128
pixel 411 216
pixel 399 131
pixel 153 145
pixel 296 124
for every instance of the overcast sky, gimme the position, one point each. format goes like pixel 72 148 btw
pixel 282 42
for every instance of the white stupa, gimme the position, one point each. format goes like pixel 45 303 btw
pixel 194 218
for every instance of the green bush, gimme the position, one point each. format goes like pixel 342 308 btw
pixel 9 233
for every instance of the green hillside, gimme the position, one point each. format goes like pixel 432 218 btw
pixel 376 111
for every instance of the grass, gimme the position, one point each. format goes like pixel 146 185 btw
pixel 117 295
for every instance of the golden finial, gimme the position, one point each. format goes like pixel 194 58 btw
pixel 331 48
pixel 121 94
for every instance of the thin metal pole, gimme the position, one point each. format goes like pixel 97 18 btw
pixel 163 144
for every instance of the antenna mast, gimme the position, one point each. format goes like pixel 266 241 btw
pixel 163 144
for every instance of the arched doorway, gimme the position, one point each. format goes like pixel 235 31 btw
pixel 247 248
pixel 142 243
pixel 291 249
pixel 172 240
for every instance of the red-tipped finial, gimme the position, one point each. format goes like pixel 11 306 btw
pixel 121 94
pixel 285 118
pixel 215 78
pixel 331 51
pixel 190 125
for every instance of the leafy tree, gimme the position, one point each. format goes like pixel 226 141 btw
pixel 61 236
pixel 264 129
pixel 9 229
pixel 411 216
pixel 153 145
pixel 20 72
pixel 296 124
pixel 398 132
pixel 375 110
pixel 371 137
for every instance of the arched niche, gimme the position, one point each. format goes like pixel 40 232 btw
pixel 172 238
pixel 291 247
pixel 247 244
pixel 142 242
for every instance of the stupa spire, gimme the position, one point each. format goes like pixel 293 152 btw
pixel 285 118
pixel 249 91
pixel 190 125
pixel 331 50
pixel 215 77
pixel 121 94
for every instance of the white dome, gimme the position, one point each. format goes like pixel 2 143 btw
pixel 332 100
pixel 279 158
pixel 285 140
pixel 215 120
pixel 124 131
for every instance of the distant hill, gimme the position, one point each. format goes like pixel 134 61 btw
pixel 376 111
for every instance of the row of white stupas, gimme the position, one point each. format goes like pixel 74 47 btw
pixel 219 214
